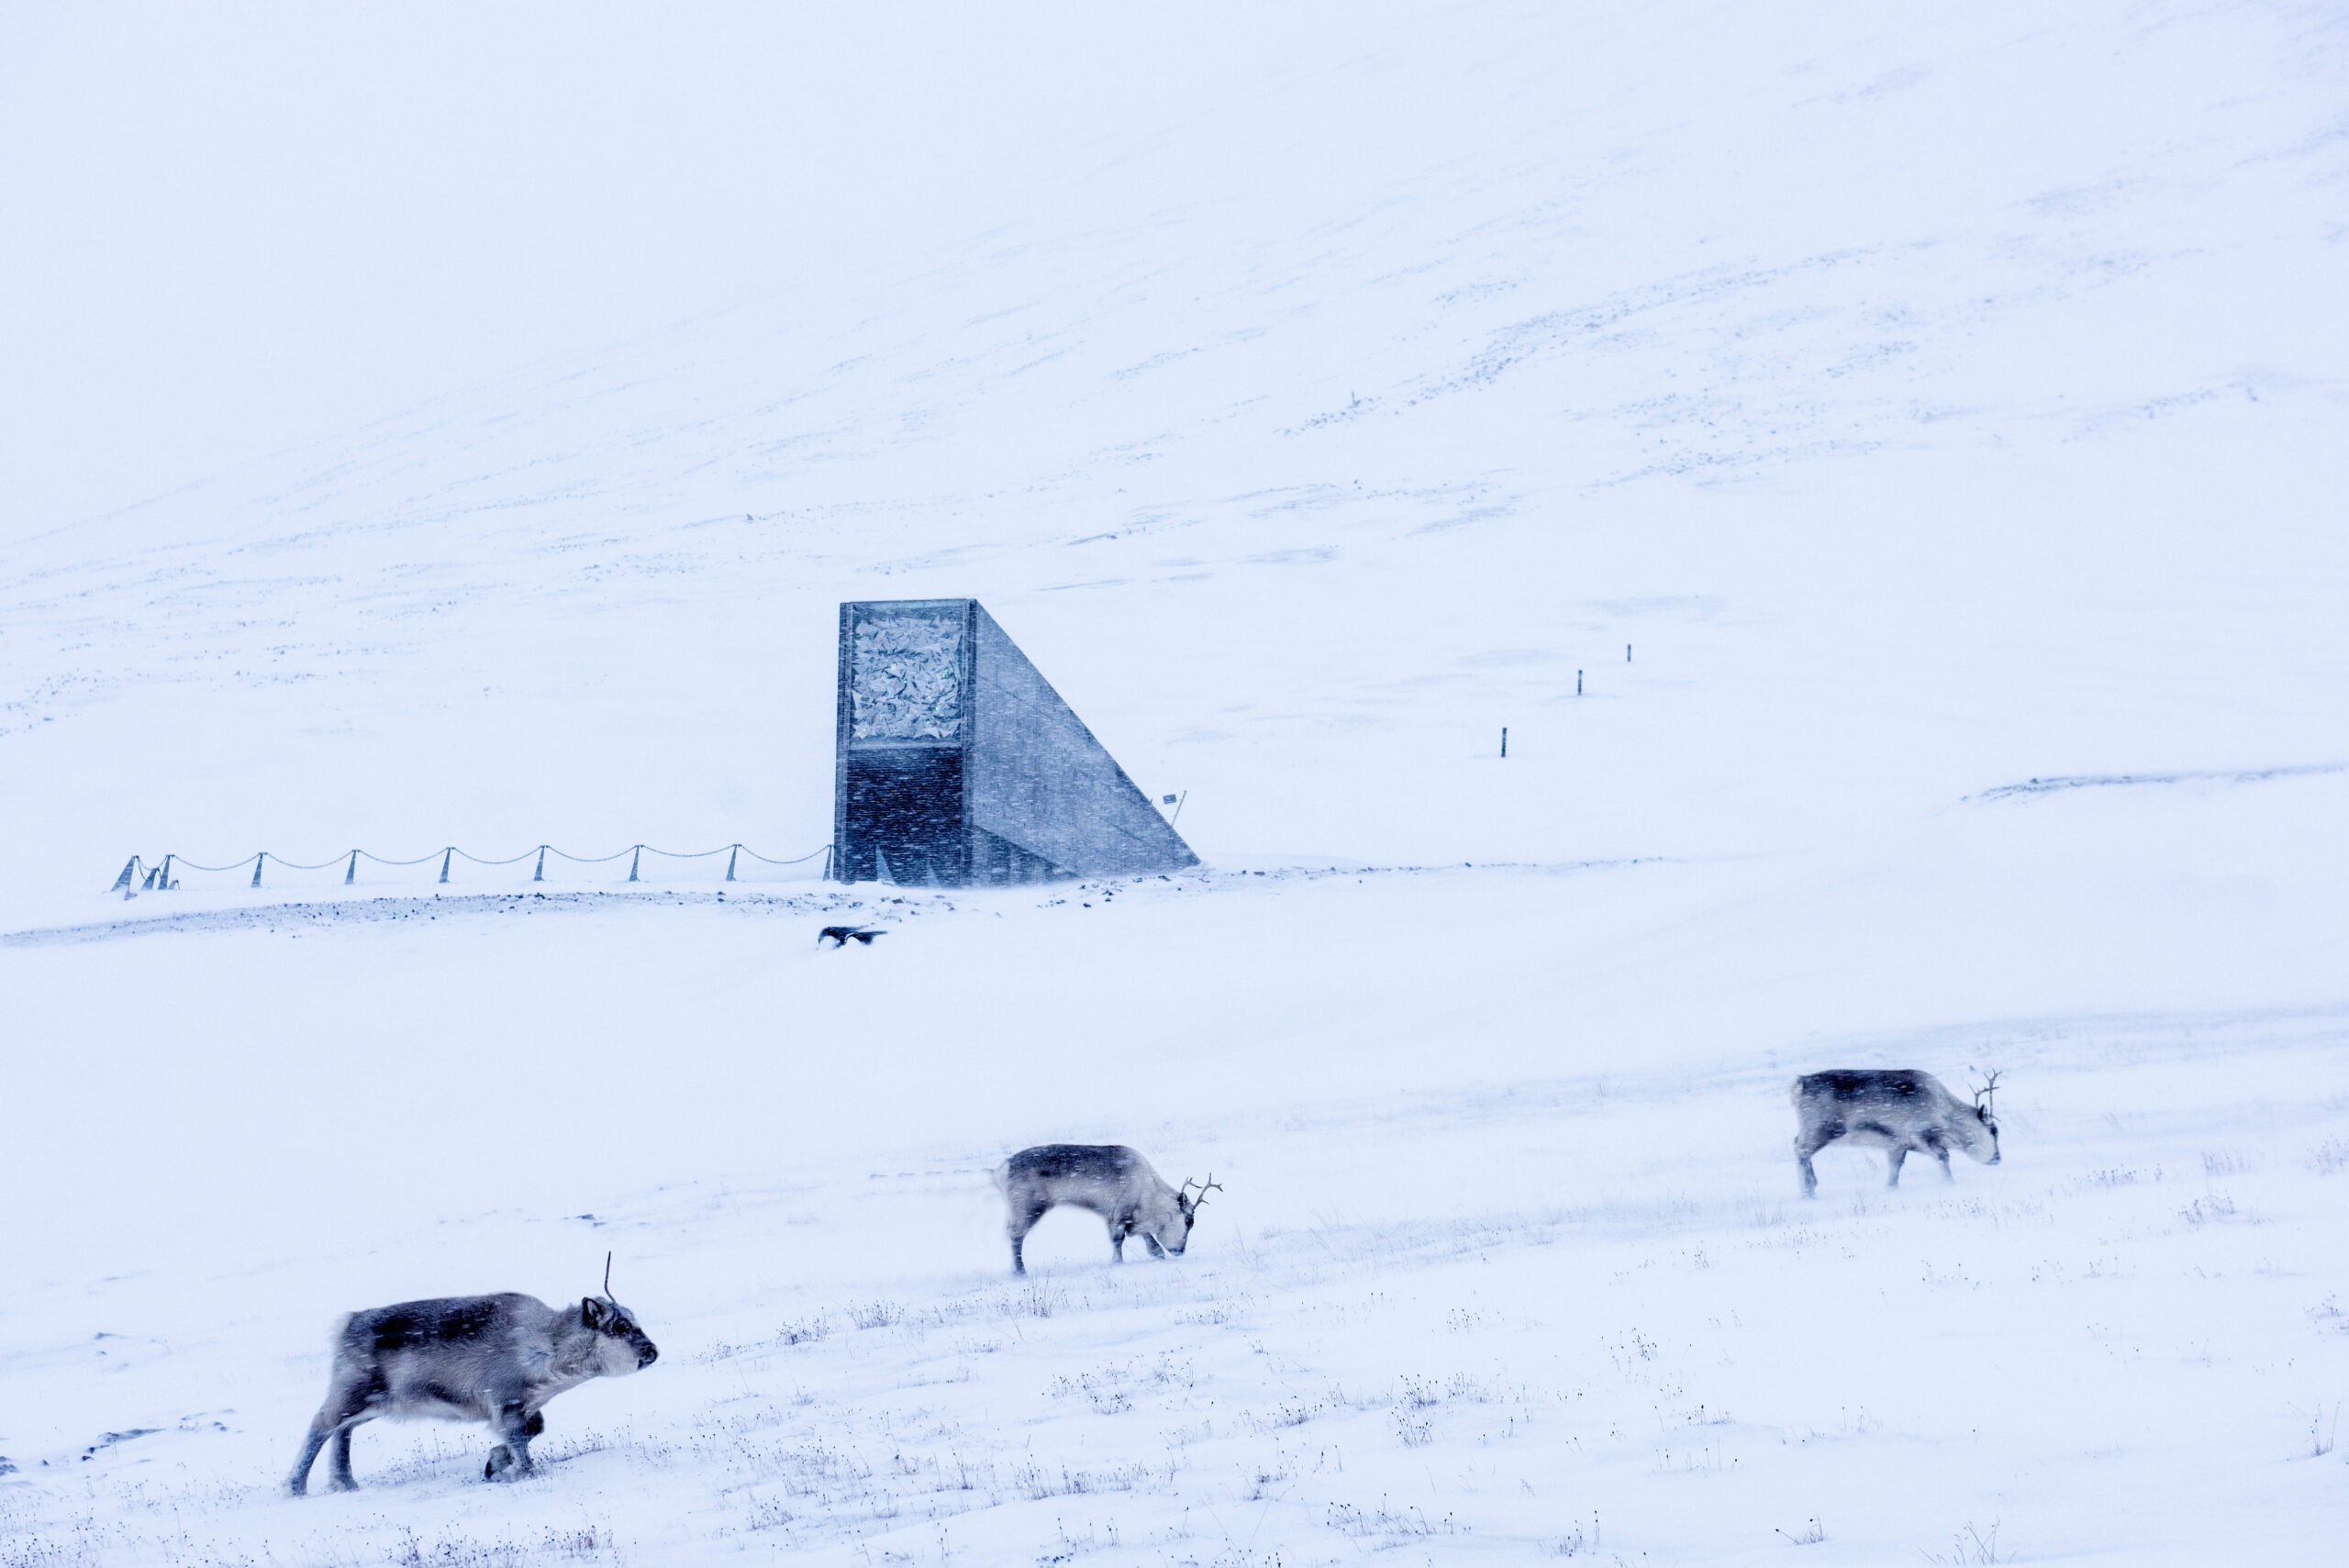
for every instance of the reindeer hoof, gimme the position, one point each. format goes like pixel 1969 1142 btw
pixel 501 1460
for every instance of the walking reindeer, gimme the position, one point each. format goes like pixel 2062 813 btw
pixel 1900 1112
pixel 496 1358
pixel 1113 1182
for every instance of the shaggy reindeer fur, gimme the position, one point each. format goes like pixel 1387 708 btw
pixel 1110 1179
pixel 1896 1112
pixel 470 1358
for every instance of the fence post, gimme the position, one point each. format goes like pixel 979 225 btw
pixel 258 857
pixel 633 862
pixel 540 874
pixel 147 882
pixel 130 867
pixel 444 861
pixel 166 884
pixel 353 874
pixel 731 855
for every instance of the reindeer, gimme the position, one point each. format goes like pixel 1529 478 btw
pixel 1896 1112
pixel 468 1358
pixel 1113 1182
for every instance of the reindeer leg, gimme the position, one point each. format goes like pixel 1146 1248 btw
pixel 1022 1221
pixel 513 1455
pixel 1892 1157
pixel 299 1480
pixel 1151 1243
pixel 1939 1151
pixel 1117 1241
pixel 1804 1149
pixel 1810 1139
pixel 1808 1142
pixel 338 1462
pixel 344 1408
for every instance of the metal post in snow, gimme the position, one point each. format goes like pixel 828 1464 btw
pixel 165 884
pixel 634 860
pixel 351 873
pixel 1504 742
pixel 122 883
pixel 1577 683
pixel 1626 653
pixel 730 853
pixel 445 856
pixel 258 857
pixel 540 874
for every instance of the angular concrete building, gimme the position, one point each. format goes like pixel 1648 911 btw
pixel 958 764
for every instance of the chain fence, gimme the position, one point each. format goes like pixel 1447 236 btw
pixel 545 863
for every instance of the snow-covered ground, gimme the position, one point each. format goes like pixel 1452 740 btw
pixel 1945 409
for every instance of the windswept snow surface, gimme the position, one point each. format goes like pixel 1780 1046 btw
pixel 1945 407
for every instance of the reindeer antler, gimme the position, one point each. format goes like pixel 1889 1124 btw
pixel 607 1277
pixel 1209 1185
pixel 1982 1096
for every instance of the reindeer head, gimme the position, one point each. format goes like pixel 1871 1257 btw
pixel 1187 1205
pixel 620 1346
pixel 1983 1096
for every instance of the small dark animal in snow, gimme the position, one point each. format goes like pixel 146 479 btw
pixel 468 1358
pixel 1899 1112
pixel 840 935
pixel 1113 1182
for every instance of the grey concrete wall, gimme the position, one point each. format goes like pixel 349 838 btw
pixel 1036 777
pixel 902 721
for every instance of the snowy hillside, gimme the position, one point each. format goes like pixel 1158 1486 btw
pixel 1943 411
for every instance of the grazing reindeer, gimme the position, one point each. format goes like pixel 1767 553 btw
pixel 468 1358
pixel 1896 1112
pixel 1113 1182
